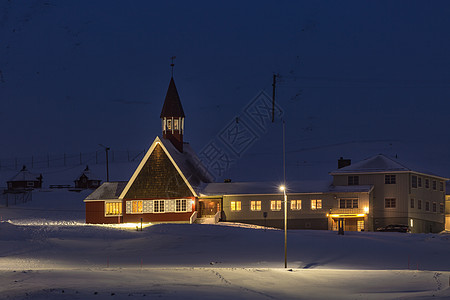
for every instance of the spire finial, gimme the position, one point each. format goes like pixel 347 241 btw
pixel 172 64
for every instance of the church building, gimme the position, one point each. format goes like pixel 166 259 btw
pixel 165 185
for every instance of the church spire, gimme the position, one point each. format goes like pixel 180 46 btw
pixel 172 117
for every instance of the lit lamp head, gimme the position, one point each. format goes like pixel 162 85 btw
pixel 282 188
pixel 366 209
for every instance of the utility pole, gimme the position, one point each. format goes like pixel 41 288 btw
pixel 107 165
pixel 273 96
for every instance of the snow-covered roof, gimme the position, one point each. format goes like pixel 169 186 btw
pixel 305 186
pixel 107 191
pixel 378 164
pixel 189 164
pixel 25 175
pixel 88 173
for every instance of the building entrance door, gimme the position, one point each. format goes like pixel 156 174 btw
pixel 208 207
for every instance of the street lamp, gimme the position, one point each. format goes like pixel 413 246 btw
pixel 107 167
pixel 283 188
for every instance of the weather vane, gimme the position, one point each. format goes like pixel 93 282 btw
pixel 172 64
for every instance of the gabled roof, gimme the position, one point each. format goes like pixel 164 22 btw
pixel 187 164
pixel 379 164
pixel 267 188
pixel 107 191
pixel 25 175
pixel 172 105
pixel 88 174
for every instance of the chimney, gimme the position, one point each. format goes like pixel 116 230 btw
pixel 344 162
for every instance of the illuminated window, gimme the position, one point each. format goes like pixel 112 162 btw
pixel 427 206
pixel 235 205
pixel 180 205
pixel 427 183
pixel 419 181
pixel 360 225
pixel 175 124
pixel 275 205
pixel 255 205
pixel 296 204
pixel 419 204
pixel 414 181
pixel 434 185
pixel 353 180
pixel 316 204
pixel 390 202
pixel 434 207
pixel 169 124
pixel 412 202
pixel 389 179
pixel 158 206
pixel 113 208
pixel 348 203
pixel 136 206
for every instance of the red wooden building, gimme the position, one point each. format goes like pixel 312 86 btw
pixel 164 187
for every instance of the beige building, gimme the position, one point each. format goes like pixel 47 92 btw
pixel 400 195
pixel 373 193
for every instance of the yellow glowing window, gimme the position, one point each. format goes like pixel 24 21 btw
pixel 275 205
pixel 136 206
pixel 360 226
pixel 255 205
pixel 175 124
pixel 113 208
pixel 316 204
pixel 235 205
pixel 169 124
pixel 296 204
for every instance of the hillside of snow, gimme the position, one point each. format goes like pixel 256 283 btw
pixel 48 252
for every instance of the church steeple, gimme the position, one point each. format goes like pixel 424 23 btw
pixel 172 117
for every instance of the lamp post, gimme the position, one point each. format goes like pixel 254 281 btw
pixel 283 188
pixel 107 166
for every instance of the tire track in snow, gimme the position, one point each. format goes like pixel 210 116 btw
pixel 218 275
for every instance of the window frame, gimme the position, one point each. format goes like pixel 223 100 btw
pixel 180 205
pixel 414 181
pixel 236 206
pixel 275 205
pixel 159 206
pixel 390 179
pixel 135 207
pixel 255 205
pixel 316 204
pixel 419 204
pixel 352 180
pixel 412 203
pixel 296 204
pixel 390 203
pixel 119 208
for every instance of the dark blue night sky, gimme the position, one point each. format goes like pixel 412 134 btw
pixel 356 78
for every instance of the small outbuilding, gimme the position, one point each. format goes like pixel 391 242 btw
pixel 25 180
pixel 86 180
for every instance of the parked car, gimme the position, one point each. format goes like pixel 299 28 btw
pixel 395 228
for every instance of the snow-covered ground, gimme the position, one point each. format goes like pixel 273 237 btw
pixel 47 252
